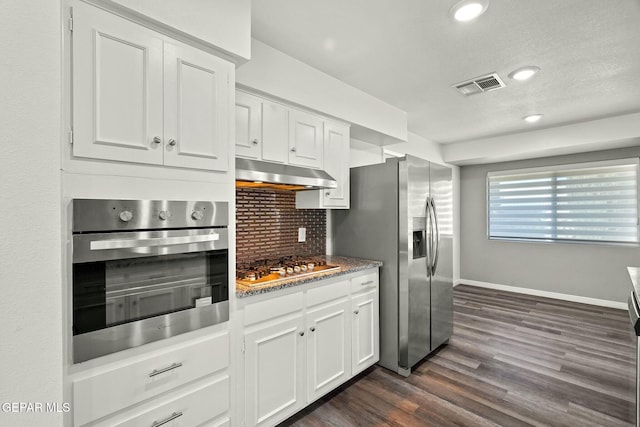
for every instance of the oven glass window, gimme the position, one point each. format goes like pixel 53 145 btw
pixel 114 292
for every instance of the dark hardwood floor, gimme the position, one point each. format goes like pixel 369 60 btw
pixel 513 360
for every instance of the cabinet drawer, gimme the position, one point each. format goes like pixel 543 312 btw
pixel 366 282
pixel 326 293
pixel 272 308
pixel 114 389
pixel 191 408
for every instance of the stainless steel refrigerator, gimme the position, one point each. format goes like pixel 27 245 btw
pixel 402 214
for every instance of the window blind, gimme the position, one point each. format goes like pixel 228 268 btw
pixel 595 202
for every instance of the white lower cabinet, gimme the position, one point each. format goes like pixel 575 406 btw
pixel 202 405
pixel 327 348
pixel 309 340
pixel 274 371
pixel 365 349
pixel 157 386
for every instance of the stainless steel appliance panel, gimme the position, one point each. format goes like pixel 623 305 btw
pixel 369 230
pixel 392 219
pixel 128 335
pixel 441 191
pixel 112 215
pixel 136 244
pixel 415 292
pixel 146 270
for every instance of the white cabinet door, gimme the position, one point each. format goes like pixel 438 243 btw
pixel 275 132
pixel 274 372
pixel 328 348
pixel 117 88
pixel 196 109
pixel 248 126
pixel 336 163
pixel 306 145
pixel 365 330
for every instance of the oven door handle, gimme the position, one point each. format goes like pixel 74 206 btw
pixel 100 245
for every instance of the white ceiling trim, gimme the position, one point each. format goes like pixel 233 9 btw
pixel 602 134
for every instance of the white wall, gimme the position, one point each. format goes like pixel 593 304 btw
pixel 30 247
pixel 582 270
pixel 277 74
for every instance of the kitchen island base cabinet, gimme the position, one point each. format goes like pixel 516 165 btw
pixel 301 344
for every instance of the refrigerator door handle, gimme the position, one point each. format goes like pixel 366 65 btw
pixel 428 225
pixel 434 264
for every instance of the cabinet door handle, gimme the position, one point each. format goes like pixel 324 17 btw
pixel 172 142
pixel 301 333
pixel 356 312
pixel 367 283
pixel 163 370
pixel 254 142
pixel 167 420
pixel 293 150
pixel 157 140
pixel 327 193
pixel 312 329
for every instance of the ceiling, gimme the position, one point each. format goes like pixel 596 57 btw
pixel 409 53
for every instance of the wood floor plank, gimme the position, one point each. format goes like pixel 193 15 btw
pixel 513 360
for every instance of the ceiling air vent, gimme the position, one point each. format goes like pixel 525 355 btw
pixel 480 85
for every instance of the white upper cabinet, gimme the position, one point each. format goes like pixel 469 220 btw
pixel 117 88
pixel 195 109
pixel 262 129
pixel 306 141
pixel 275 132
pixel 248 126
pixel 272 132
pixel 139 97
pixel 336 164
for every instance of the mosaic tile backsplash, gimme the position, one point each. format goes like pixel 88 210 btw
pixel 267 224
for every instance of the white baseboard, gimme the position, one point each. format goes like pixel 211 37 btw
pixel 546 294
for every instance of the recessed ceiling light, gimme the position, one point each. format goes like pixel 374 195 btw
pixel 524 73
pixel 467 10
pixel 532 118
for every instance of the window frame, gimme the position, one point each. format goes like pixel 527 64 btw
pixel 562 167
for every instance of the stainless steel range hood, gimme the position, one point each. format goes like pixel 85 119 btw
pixel 257 173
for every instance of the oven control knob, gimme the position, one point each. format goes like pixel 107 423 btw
pixel 197 215
pixel 126 216
pixel 163 215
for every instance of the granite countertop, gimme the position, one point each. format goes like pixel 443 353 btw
pixel 347 265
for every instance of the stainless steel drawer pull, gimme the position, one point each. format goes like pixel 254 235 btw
pixel 368 282
pixel 167 420
pixel 163 370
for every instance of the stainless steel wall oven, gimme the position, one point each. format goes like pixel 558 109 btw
pixel 144 270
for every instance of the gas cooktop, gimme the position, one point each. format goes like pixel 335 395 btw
pixel 276 270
